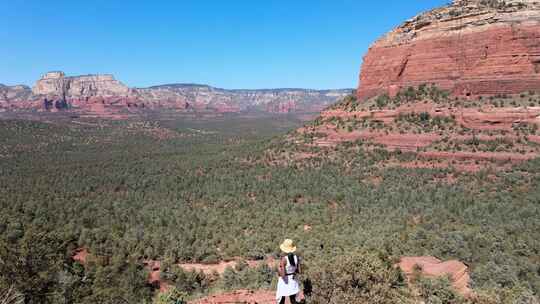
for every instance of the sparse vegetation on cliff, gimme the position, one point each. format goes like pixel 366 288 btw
pixel 432 128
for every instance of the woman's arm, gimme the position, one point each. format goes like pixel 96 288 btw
pixel 282 272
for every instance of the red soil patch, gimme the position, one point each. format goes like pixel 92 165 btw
pixel 405 142
pixel 534 138
pixel 374 180
pixel 208 268
pixel 392 141
pixel 244 297
pixel 433 267
pixel 240 296
pixel 497 119
pixel 304 155
pixel 154 269
pixel 80 255
pixel 334 137
pixel 221 266
pixel 154 276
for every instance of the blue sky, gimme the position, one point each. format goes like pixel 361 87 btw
pixel 225 43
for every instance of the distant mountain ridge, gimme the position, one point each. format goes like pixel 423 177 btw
pixel 197 85
pixel 104 94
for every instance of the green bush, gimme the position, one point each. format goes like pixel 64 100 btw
pixel 437 291
pixel 243 277
pixel 186 281
pixel 357 277
pixel 171 296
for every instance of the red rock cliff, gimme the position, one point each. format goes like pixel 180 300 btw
pixel 470 47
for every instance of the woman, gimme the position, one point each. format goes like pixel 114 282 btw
pixel 289 267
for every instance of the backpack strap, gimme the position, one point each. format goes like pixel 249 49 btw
pixel 296 260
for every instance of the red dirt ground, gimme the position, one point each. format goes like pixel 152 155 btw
pixel 221 266
pixel 80 255
pixel 243 296
pixel 433 267
pixel 154 267
pixel 240 296
pixel 154 277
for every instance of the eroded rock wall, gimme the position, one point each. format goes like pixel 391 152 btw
pixel 468 47
pixel 57 84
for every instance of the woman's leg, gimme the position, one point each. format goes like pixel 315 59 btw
pixel 282 301
pixel 293 299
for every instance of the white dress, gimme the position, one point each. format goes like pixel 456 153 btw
pixel 290 288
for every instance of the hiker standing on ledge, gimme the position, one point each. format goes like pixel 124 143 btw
pixel 289 266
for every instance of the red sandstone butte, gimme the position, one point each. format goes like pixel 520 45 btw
pixel 467 47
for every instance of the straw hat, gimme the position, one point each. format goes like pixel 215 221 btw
pixel 288 246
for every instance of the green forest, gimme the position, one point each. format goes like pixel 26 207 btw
pixel 208 191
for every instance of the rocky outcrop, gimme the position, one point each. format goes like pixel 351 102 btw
pixel 14 96
pixel 470 47
pixel 14 93
pixel 57 84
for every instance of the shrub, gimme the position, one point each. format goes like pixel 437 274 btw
pixel 382 100
pixel 171 296
pixel 187 281
pixel 437 291
pixel 242 276
pixel 358 277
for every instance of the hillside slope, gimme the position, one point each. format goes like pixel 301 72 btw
pixel 424 127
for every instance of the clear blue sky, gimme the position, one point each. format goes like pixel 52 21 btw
pixel 225 43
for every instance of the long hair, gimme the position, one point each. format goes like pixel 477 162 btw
pixel 290 256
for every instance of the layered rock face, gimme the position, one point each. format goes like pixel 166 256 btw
pixel 433 129
pixel 471 47
pixel 57 84
pixel 14 93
